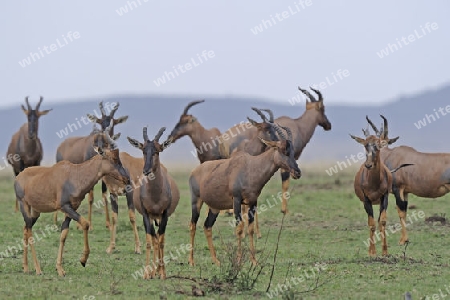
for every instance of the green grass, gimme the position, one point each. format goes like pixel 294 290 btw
pixel 326 225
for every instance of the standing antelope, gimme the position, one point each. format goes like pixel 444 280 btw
pixel 62 187
pixel 229 183
pixel 218 145
pixel 303 129
pixel 373 182
pixel 155 200
pixel 429 177
pixel 79 149
pixel 25 144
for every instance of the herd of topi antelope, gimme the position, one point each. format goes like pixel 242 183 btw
pixel 231 176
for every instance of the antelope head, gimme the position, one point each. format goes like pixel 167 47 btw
pixel 111 158
pixel 383 133
pixel 374 143
pixel 317 104
pixel 265 129
pixel 33 117
pixel 106 119
pixel 284 157
pixel 185 125
pixel 150 149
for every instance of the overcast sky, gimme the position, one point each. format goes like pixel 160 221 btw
pixel 95 48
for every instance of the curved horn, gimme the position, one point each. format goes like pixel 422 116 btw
pixel 28 104
pixel 279 131
pixel 373 127
pixel 39 103
pixel 113 111
pixel 308 94
pixel 144 134
pixel 159 134
pixel 259 112
pixel 318 94
pixel 190 105
pixel 289 132
pixel 270 114
pixel 102 110
pixel 385 127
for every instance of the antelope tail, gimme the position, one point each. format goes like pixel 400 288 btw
pixel 401 166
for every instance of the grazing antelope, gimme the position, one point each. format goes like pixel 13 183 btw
pixel 63 187
pixel 25 148
pixel 429 177
pixel 373 182
pixel 155 200
pixel 79 149
pixel 229 183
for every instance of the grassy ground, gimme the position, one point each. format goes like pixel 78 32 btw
pixel 325 229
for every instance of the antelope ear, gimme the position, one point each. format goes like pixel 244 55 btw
pixel 357 139
pixel 25 110
pixel 44 112
pixel 135 143
pixel 391 141
pixel 269 143
pixel 92 118
pixel 166 144
pixel 193 119
pixel 120 120
pixel 116 136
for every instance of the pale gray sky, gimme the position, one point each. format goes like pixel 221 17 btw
pixel 126 54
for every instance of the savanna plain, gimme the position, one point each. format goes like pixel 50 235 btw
pixel 321 243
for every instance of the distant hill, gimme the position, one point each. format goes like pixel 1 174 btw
pixel 326 147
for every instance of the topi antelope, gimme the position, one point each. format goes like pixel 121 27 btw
pixel 201 138
pixel 229 183
pixel 373 182
pixel 155 200
pixel 25 148
pixel 63 187
pixel 134 166
pixel 429 177
pixel 79 149
pixel 302 129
